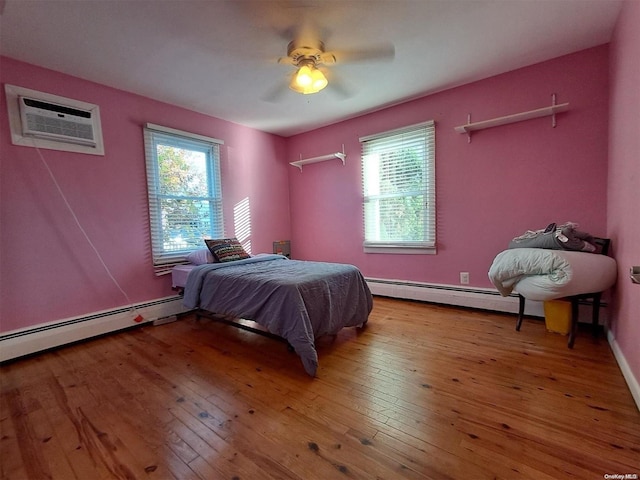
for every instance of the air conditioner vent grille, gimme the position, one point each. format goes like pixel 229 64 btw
pixel 56 122
pixel 57 126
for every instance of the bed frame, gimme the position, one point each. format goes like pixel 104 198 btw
pixel 596 297
pixel 237 323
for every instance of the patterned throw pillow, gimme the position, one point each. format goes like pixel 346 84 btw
pixel 226 249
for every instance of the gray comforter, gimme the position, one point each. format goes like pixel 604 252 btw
pixel 562 237
pixel 297 300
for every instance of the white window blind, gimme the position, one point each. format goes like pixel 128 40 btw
pixel 398 176
pixel 185 193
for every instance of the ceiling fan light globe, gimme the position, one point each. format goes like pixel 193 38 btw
pixel 319 81
pixel 308 80
pixel 304 77
pixel 293 85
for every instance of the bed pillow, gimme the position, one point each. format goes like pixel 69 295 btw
pixel 226 249
pixel 200 257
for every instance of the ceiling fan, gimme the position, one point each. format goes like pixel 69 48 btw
pixel 306 58
pixel 307 53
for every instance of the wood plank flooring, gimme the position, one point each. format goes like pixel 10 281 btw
pixel 423 392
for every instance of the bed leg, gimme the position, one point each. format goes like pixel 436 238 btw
pixel 596 314
pixel 574 322
pixel 520 312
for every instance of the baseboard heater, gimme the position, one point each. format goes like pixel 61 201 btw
pixel 480 298
pixel 18 343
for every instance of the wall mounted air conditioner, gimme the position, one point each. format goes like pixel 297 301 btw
pixel 56 122
pixel 43 120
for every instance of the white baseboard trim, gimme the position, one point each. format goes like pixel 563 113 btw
pixel 482 298
pixel 18 343
pixel 473 297
pixel 632 381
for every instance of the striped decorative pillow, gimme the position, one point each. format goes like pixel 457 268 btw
pixel 226 249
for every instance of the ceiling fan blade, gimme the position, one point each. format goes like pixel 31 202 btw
pixel 337 85
pixel 286 61
pixel 380 53
pixel 328 58
pixel 277 93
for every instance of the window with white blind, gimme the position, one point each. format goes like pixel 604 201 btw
pixel 398 177
pixel 185 193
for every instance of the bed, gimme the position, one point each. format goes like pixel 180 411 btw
pixel 544 274
pixel 296 300
pixel 179 275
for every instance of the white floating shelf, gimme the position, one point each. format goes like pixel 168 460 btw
pixel 516 117
pixel 322 158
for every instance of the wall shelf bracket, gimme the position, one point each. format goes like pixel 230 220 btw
pixel 323 158
pixel 516 117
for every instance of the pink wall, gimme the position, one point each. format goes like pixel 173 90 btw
pixel 48 271
pixel 624 179
pixel 507 180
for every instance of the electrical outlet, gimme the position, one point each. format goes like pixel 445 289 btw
pixel 464 278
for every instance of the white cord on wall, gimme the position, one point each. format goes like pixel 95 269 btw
pixel 138 317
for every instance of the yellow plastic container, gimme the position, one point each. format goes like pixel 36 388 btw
pixel 557 316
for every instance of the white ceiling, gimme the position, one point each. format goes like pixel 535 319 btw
pixel 219 57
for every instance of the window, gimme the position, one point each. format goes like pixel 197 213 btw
pixel 398 176
pixel 185 194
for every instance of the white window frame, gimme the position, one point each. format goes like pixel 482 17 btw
pixel 421 137
pixel 164 260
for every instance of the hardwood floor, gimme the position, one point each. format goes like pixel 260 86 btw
pixel 423 391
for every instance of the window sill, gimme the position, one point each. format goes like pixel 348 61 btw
pixel 400 249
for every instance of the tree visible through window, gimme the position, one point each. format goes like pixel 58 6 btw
pixel 185 198
pixel 398 175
